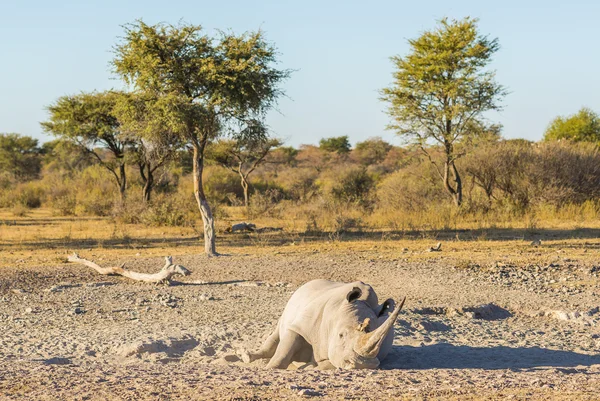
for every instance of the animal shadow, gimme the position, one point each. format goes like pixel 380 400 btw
pixel 449 356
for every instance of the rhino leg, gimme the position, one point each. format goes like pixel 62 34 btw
pixel 325 365
pixel 267 350
pixel 289 344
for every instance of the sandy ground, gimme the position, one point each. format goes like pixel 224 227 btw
pixel 468 332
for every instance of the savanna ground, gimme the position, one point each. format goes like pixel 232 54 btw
pixel 490 316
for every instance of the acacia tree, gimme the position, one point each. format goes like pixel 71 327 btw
pixel 338 144
pixel 440 89
pixel 88 121
pixel 20 156
pixel 199 86
pixel 243 155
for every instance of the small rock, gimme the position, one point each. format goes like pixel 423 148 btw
pixel 28 310
pixel 99 284
pixel 206 297
pixel 309 393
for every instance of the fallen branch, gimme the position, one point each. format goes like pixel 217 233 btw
pixel 436 248
pixel 163 276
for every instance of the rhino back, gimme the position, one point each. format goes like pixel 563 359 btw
pixel 307 305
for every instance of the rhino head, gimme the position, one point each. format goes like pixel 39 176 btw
pixel 359 332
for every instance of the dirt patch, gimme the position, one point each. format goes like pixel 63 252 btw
pixel 457 339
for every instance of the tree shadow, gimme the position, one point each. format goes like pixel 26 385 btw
pixel 184 283
pixel 449 356
pixel 285 238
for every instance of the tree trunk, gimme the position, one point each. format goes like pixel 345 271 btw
pixel 245 187
pixel 458 197
pixel 207 217
pixel 122 181
pixel 148 184
pixel 455 192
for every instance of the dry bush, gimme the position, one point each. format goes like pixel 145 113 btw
pixel 411 189
pixel 348 184
pixel 298 183
pixel 565 173
pixel 19 210
pixel 266 203
pixel 27 194
pixel 96 192
pixel 219 184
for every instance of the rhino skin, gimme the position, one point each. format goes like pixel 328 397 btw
pixel 329 325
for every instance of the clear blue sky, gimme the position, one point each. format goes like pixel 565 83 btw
pixel 549 58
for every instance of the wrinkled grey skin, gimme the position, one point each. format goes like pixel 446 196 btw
pixel 329 325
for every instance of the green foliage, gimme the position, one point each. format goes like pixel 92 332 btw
pixel 584 126
pixel 338 144
pixel 192 84
pixel 19 156
pixel 87 120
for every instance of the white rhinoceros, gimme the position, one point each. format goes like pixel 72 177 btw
pixel 330 325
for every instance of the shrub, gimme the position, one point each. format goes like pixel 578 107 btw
pixel 266 203
pixel 28 194
pixel 413 188
pixel 220 183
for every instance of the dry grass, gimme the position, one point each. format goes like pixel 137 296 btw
pixel 41 238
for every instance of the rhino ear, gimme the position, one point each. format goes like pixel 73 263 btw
pixel 354 294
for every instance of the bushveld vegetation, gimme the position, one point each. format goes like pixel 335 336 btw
pixel 374 185
pixel 190 135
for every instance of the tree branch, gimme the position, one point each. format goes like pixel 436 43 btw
pixel 163 276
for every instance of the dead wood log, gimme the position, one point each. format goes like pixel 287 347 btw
pixel 163 276
pixel 251 227
pixel 241 227
pixel 436 248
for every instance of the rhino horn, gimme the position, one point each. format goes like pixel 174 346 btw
pixel 369 344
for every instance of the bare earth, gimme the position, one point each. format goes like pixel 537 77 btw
pixel 469 331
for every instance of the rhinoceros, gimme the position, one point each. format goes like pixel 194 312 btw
pixel 328 325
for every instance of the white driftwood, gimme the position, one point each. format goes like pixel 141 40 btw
pixel 163 276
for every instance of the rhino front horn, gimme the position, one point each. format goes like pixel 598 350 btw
pixel 369 344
